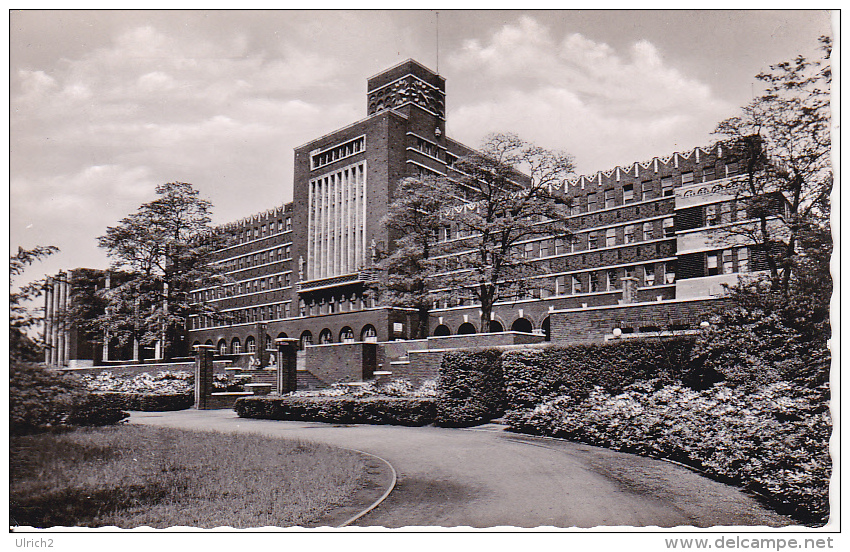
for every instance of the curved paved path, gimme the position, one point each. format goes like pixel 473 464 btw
pixel 486 477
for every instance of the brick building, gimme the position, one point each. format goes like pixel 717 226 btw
pixel 650 239
pixel 300 269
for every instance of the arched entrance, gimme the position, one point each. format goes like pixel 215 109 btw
pixel 325 337
pixel 222 347
pixel 496 326
pixel 369 333
pixel 235 346
pixel 346 335
pixel 306 338
pixel 522 325
pixel 442 330
pixel 547 328
pixel 466 328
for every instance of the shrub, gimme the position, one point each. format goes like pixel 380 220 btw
pixel 40 399
pixel 367 410
pixel 534 376
pixel 471 388
pixel 149 402
pixel 774 441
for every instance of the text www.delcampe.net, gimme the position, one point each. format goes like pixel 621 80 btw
pixel 756 543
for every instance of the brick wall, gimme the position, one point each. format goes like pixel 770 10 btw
pixel 341 362
pixel 593 324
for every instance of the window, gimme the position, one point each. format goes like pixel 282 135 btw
pixel 728 262
pixel 647 231
pixel 742 211
pixel 687 178
pixel 667 186
pixel 529 251
pixel 610 237
pixel 646 190
pixel 710 215
pixel 743 260
pixel 594 282
pixel 610 199
pixel 561 285
pixel 612 281
pixel 669 227
pixel 725 213
pixel 670 273
pixel 287 251
pixel 708 174
pixel 561 245
pixel 575 208
pixel 263 231
pixel 629 233
pixel 591 202
pixel 286 311
pixel 591 240
pixel 711 264
pixel 337 152
pixel 649 275
pixel 287 280
pixel 576 284
pixel 288 224
pixel 448 233
pixel 628 193
pixel 451 160
pixel 544 248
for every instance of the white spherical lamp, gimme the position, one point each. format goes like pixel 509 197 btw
pixel 617 332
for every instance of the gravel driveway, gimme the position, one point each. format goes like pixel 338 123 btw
pixel 487 477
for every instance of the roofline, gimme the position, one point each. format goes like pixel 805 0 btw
pixel 399 64
pixel 340 129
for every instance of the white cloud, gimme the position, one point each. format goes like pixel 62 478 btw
pixel 573 93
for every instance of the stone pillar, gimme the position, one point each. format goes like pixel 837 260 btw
pixel 106 337
pixel 287 349
pixel 262 355
pixel 203 375
pixel 54 323
pixel 629 289
pixel 63 334
pixel 48 321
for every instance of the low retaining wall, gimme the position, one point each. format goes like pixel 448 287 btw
pixel 219 367
pixel 594 324
pixel 342 362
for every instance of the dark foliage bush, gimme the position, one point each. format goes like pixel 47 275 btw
pixel 40 399
pixel 405 411
pixel 149 402
pixel 533 376
pixel 471 388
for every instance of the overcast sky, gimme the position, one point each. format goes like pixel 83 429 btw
pixel 106 105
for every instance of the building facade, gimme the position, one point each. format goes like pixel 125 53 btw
pixel 653 233
pixel 301 270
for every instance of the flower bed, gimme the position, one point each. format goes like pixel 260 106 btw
pixel 773 441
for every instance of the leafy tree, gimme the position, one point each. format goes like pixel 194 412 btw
pixel 21 346
pixel 778 326
pixel 167 246
pixel 501 198
pixel 782 139
pixel 415 219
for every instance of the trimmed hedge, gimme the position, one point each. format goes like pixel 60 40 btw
pixel 534 376
pixel 404 411
pixel 471 390
pixel 149 402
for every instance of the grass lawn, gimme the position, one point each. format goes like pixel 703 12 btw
pixel 131 476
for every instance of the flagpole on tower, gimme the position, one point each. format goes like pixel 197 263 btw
pixel 438 43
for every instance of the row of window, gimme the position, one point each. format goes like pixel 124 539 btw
pixel 278 281
pixel 273 227
pixel 336 153
pixel 588 282
pixel 727 261
pixel 241 316
pixel 331 305
pixel 257 259
pixel 644 191
pixel 723 213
